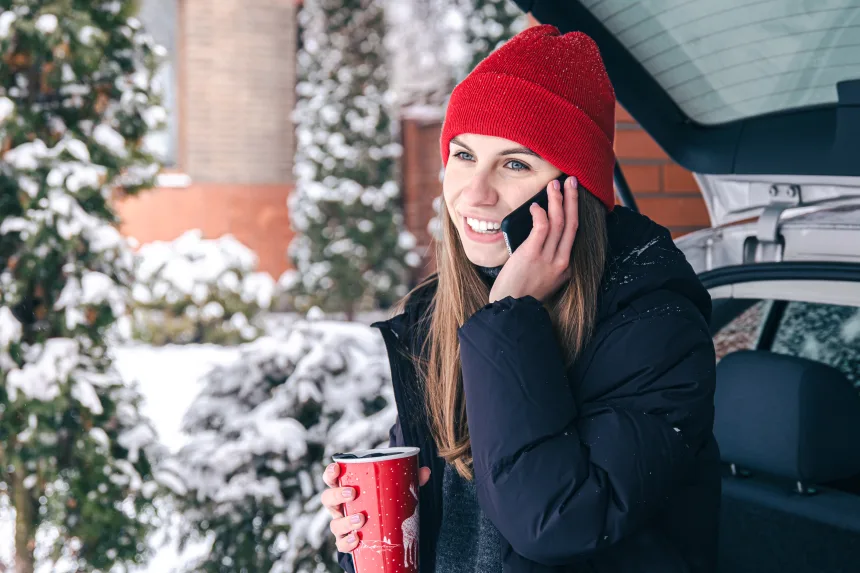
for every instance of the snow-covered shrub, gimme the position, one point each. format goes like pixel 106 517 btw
pixel 198 290
pixel 76 105
pixel 261 432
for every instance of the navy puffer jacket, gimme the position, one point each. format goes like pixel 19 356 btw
pixel 608 466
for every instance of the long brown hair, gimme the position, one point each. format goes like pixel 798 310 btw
pixel 461 292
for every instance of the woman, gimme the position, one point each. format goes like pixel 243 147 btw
pixel 562 397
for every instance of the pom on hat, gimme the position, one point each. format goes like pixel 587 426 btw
pixel 549 92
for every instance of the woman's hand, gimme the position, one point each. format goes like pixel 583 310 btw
pixel 541 265
pixel 344 528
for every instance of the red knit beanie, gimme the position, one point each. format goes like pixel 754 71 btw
pixel 550 93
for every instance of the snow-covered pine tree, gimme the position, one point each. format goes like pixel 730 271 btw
pixel 260 434
pixel 351 251
pixel 425 44
pixel 488 25
pixel 474 28
pixel 75 453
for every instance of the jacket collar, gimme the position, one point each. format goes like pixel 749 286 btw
pixel 402 326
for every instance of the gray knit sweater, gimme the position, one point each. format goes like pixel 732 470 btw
pixel 468 540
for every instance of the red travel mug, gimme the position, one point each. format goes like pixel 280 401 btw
pixel 386 485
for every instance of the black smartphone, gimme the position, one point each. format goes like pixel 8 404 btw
pixel 518 224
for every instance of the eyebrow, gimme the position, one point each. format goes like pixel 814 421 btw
pixel 523 150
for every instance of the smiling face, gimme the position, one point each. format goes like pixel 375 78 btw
pixel 486 178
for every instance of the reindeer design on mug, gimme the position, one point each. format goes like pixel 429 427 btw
pixel 410 534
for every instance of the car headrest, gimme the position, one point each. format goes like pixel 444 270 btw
pixel 787 416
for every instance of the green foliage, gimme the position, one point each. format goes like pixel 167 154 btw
pixel 75 106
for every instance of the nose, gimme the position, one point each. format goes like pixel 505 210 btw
pixel 479 191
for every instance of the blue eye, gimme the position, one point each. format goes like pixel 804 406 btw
pixel 459 153
pixel 523 166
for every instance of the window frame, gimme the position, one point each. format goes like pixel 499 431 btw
pixel 736 288
pixel 174 175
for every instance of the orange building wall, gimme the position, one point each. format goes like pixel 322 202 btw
pixel 255 214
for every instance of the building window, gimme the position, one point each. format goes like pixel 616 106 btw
pixel 160 19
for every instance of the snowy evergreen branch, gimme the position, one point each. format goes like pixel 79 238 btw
pixel 351 252
pixel 75 106
pixel 261 432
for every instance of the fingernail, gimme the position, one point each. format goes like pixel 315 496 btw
pixel 330 468
pixel 555 185
pixel 355 518
pixel 572 183
pixel 346 493
pixel 351 538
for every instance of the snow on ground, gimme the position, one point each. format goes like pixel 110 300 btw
pixel 168 559
pixel 169 380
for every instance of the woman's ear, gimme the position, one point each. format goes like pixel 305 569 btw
pixel 441 174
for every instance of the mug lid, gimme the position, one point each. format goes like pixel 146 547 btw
pixel 374 455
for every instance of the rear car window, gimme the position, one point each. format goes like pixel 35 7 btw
pixel 723 61
pixel 743 332
pixel 825 333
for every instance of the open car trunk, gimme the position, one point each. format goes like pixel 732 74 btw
pixel 759 98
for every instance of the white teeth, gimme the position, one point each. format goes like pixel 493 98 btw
pixel 483 226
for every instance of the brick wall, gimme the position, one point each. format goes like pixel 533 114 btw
pixel 663 190
pixel 420 165
pixel 237 90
